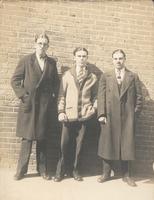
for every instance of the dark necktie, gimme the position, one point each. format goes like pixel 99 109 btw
pixel 119 77
pixel 81 75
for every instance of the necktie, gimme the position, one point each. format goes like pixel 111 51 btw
pixel 42 56
pixel 81 75
pixel 41 61
pixel 119 77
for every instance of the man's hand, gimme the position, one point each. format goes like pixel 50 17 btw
pixel 102 120
pixel 62 117
pixel 25 97
pixel 136 110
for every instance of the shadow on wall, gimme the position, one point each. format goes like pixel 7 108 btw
pixel 90 162
pixel 143 165
pixel 145 137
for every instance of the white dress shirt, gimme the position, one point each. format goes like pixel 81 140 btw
pixel 41 62
pixel 120 75
pixel 79 69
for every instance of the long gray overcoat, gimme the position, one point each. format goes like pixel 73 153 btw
pixel 117 139
pixel 36 91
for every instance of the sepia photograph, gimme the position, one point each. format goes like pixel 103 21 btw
pixel 76 99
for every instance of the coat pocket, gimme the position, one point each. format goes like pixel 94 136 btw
pixel 25 104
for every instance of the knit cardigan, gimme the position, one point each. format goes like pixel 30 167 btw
pixel 78 102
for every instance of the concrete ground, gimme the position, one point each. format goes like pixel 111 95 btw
pixel 35 188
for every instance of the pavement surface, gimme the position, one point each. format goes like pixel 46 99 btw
pixel 33 187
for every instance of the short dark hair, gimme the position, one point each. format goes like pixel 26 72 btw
pixel 119 50
pixel 80 49
pixel 43 35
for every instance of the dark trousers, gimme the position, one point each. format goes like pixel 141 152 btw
pixel 24 156
pixel 71 143
pixel 108 166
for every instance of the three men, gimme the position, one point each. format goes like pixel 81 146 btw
pixel 119 103
pixel 35 82
pixel 76 105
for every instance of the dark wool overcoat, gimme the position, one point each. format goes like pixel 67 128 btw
pixel 36 91
pixel 120 106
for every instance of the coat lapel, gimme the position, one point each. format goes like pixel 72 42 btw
pixel 73 72
pixel 36 68
pixel 114 85
pixel 43 74
pixel 128 77
pixel 38 73
pixel 35 65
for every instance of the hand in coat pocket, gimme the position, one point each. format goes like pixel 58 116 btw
pixel 25 98
pixel 26 103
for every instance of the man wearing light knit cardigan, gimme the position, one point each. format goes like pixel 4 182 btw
pixel 76 105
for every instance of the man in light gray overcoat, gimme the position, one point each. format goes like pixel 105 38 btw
pixel 35 82
pixel 119 103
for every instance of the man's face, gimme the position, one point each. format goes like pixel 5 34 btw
pixel 118 60
pixel 81 58
pixel 41 46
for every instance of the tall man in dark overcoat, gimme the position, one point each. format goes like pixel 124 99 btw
pixel 119 103
pixel 35 82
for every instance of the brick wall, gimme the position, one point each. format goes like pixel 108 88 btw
pixel 101 26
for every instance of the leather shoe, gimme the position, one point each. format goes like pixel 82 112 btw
pixel 129 181
pixel 18 177
pixel 104 177
pixel 77 177
pixel 58 178
pixel 46 176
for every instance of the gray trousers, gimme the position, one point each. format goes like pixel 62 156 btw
pixel 71 144
pixel 108 166
pixel 24 156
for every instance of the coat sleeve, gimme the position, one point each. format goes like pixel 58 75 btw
pixel 101 97
pixel 94 90
pixel 139 98
pixel 18 78
pixel 56 82
pixel 62 95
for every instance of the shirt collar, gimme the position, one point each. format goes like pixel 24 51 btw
pixel 84 68
pixel 122 71
pixel 41 57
